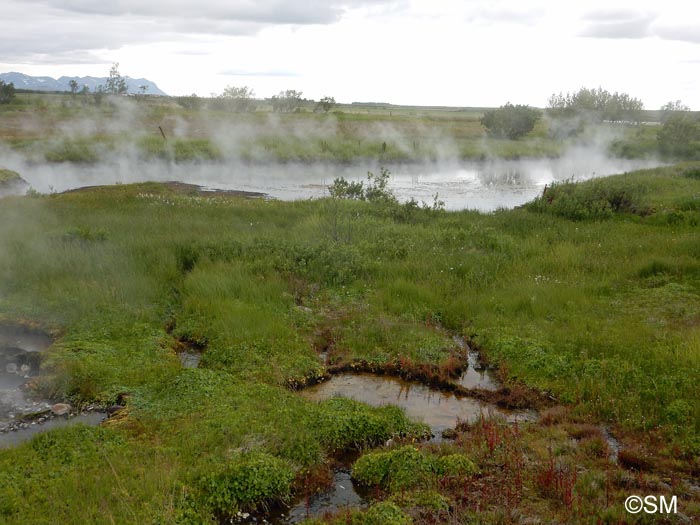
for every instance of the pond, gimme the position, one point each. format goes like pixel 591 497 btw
pixel 481 185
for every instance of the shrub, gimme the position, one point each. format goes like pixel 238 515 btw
pixel 250 481
pixel 386 513
pixel 595 199
pixel 7 92
pixel 510 121
pixel 679 137
pixel 408 467
pixel 455 465
pixel 344 424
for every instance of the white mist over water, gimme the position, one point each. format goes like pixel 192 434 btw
pixel 480 185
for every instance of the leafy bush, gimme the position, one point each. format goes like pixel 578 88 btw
pixel 344 424
pixel 408 467
pixel 455 465
pixel 249 481
pixel 510 121
pixel 377 189
pixel 679 137
pixel 7 92
pixel 386 513
pixel 596 199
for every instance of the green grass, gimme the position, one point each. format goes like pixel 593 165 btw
pixel 8 176
pixel 591 300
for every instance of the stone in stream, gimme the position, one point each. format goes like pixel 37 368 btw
pixel 61 409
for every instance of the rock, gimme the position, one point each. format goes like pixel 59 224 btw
pixel 61 409
pixel 11 368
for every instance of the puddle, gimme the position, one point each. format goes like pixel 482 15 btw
pixel 476 375
pixel 190 359
pixel 341 495
pixel 13 336
pixel 439 410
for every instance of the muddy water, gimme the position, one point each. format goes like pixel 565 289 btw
pixel 485 185
pixel 189 359
pixel 342 494
pixel 476 375
pixel 439 410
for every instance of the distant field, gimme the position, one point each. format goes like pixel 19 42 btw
pixel 64 128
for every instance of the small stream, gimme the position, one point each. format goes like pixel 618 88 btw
pixel 20 355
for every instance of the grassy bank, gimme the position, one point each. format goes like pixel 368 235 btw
pixel 589 294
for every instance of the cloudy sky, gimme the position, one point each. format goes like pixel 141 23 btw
pixel 431 52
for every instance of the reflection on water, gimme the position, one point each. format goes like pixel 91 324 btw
pixel 342 494
pixel 485 186
pixel 439 410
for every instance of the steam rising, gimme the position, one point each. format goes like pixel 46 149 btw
pixel 250 147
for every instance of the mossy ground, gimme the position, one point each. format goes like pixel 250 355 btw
pixel 594 302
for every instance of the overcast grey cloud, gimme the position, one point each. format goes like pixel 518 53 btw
pixel 65 30
pixel 680 33
pixel 259 73
pixel 256 11
pixel 618 23
pixel 450 52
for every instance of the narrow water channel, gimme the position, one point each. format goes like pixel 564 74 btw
pixel 20 355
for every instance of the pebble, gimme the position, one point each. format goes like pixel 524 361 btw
pixel 61 409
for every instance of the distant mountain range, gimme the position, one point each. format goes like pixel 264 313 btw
pixel 22 81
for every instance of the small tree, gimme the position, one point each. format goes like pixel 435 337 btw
pixel 679 137
pixel 7 92
pixel 595 105
pixel 73 84
pixel 672 107
pixel 510 121
pixel 326 104
pixel 238 99
pixel 286 101
pixel 116 84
